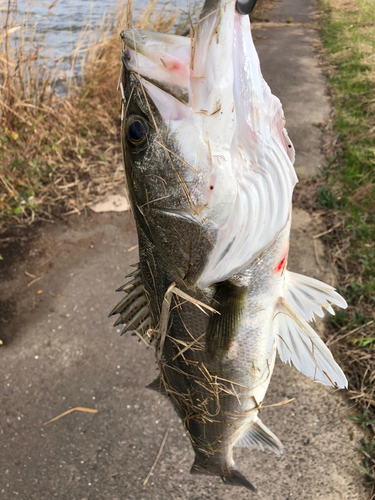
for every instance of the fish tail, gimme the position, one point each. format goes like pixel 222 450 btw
pixel 229 475
pixel 235 478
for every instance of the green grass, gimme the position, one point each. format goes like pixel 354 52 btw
pixel 348 34
pixel 349 41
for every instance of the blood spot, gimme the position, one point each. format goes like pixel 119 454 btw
pixel 289 146
pixel 280 266
pixel 173 64
pixel 211 187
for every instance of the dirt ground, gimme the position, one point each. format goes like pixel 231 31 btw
pixel 61 351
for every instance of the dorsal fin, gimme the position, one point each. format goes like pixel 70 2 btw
pixel 133 308
pixel 235 478
pixel 213 465
pixel 158 386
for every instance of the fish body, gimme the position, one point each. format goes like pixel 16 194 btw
pixel 209 169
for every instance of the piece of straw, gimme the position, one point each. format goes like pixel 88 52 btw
pixel 157 458
pixel 129 15
pixel 78 408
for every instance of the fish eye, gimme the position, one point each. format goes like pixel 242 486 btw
pixel 137 131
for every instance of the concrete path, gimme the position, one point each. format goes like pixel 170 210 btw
pixel 60 351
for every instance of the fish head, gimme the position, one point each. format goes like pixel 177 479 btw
pixel 159 180
pixel 216 149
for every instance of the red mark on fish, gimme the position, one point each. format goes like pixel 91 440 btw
pixel 280 266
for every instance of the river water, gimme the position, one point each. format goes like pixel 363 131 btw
pixel 59 24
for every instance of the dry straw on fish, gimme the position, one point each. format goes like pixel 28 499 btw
pixel 201 401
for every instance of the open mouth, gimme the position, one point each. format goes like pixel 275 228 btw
pixel 160 59
pixel 196 71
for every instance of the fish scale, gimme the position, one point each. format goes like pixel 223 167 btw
pixel 210 177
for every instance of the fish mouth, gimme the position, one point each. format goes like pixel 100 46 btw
pixel 192 70
pixel 159 60
pixel 186 68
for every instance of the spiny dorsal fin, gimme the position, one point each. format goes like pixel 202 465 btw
pixel 299 344
pixel 309 296
pixel 229 301
pixel 134 305
pixel 133 308
pixel 132 289
pixel 260 437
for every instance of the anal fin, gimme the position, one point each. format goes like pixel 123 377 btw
pixel 261 438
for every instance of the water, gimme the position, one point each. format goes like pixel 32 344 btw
pixel 59 24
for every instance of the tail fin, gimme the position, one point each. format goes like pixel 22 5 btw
pixel 203 465
pixel 297 343
pixel 235 478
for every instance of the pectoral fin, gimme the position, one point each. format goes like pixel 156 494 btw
pixel 299 344
pixel 229 301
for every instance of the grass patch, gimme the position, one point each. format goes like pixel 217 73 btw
pixel 348 33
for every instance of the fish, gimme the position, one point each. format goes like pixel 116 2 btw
pixel 210 177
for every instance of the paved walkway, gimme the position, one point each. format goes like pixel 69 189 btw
pixel 61 351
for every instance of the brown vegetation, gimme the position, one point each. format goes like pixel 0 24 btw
pixel 59 153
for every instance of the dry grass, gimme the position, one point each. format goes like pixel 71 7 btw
pixel 60 154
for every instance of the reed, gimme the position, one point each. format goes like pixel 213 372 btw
pixel 59 152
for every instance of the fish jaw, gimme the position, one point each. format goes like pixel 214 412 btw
pixel 261 162
pixel 161 59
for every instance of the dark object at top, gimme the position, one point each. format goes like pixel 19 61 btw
pixel 245 6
